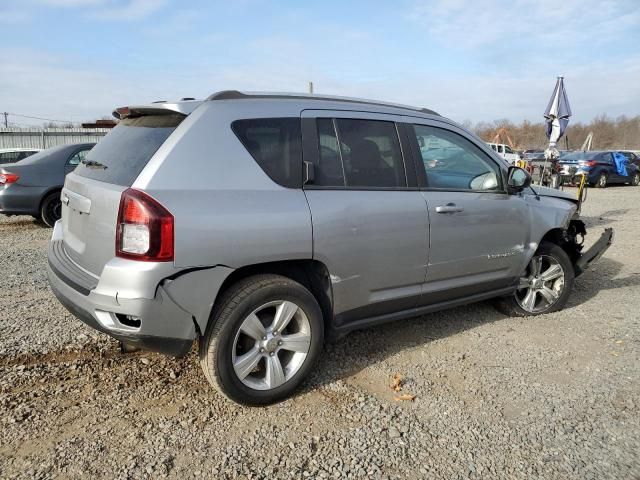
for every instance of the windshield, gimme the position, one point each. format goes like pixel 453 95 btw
pixel 120 156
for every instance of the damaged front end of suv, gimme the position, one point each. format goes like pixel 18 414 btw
pixel 572 237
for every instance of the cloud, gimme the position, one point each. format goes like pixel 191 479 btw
pixel 83 93
pixel 478 68
pixel 553 23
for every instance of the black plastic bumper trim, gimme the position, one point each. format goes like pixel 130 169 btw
pixel 595 252
pixel 175 347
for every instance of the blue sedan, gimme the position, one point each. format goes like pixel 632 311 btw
pixel 600 168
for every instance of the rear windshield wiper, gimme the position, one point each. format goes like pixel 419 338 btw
pixel 93 164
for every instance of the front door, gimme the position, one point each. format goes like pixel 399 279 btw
pixel 478 232
pixel 369 220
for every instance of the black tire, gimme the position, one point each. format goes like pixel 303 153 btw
pixel 51 209
pixel 236 304
pixel 602 181
pixel 511 306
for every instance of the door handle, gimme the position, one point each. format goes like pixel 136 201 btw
pixel 449 208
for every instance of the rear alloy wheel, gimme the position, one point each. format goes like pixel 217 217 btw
pixel 51 209
pixel 602 181
pixel 636 179
pixel 265 335
pixel 545 285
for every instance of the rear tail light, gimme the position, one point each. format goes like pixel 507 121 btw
pixel 8 178
pixel 145 228
pixel 588 163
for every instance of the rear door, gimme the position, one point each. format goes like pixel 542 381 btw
pixel 91 195
pixel 609 166
pixel 477 230
pixel 370 224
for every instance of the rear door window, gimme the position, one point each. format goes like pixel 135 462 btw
pixel 9 157
pixel 276 145
pixel 607 158
pixel 329 172
pixel 77 157
pixel 371 154
pixel 120 156
pixel 359 154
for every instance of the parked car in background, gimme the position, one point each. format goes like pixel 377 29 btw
pixel 599 167
pixel 13 155
pixel 260 224
pixel 632 157
pixel 32 186
pixel 506 152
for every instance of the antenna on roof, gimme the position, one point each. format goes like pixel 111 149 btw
pixel 311 88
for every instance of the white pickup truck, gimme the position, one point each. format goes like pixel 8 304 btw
pixel 505 152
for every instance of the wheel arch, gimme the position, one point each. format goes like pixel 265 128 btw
pixel 49 191
pixel 568 238
pixel 312 274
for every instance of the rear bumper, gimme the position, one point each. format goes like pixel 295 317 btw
pixel 176 347
pixel 157 323
pixel 595 252
pixel 18 200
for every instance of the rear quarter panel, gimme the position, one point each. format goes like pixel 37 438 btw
pixel 227 210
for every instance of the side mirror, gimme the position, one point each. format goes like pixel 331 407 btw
pixel 517 180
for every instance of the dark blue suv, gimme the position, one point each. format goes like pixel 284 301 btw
pixel 600 168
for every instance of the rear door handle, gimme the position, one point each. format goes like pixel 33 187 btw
pixel 449 208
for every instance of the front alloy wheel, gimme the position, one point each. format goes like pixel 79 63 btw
pixel 545 285
pixel 542 286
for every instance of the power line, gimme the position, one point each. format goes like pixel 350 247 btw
pixel 38 118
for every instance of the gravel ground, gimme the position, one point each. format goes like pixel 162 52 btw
pixel 553 397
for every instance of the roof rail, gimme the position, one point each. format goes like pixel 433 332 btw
pixel 237 95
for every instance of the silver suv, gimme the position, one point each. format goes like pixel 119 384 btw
pixel 262 225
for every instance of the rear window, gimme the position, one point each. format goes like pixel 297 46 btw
pixel 276 145
pixel 120 156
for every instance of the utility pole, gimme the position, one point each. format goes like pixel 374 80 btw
pixel 6 122
pixel 311 88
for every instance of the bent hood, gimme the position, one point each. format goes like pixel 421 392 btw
pixel 552 192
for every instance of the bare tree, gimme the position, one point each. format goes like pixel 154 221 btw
pixel 622 133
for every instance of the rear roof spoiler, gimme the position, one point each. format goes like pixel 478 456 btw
pixel 158 108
